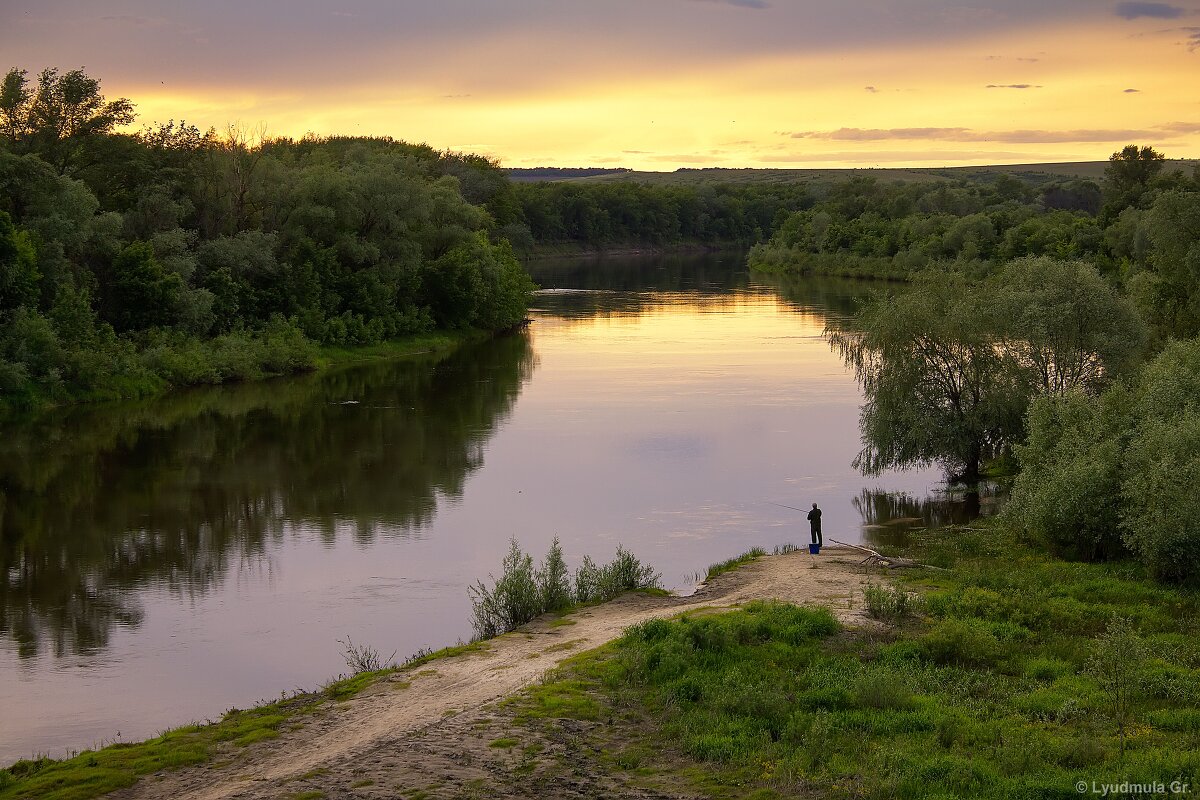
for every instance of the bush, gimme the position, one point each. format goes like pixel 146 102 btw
pixel 554 584
pixel 1162 508
pixel 1067 496
pixel 522 593
pixel 623 574
pixel 962 643
pixel 887 603
pixel 1116 665
pixel 512 601
pixel 1120 468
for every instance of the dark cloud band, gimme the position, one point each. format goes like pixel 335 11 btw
pixel 1137 10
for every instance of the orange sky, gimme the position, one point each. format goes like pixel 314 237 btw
pixel 653 84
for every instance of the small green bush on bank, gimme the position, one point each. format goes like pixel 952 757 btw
pixel 523 593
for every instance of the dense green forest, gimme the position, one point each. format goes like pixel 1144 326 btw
pixel 1138 226
pixel 598 215
pixel 132 262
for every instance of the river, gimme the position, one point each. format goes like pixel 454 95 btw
pixel 162 561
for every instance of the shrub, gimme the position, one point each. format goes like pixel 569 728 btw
pixel 554 583
pixel 623 574
pixel 1116 663
pixel 363 658
pixel 1067 496
pixel 587 579
pixel 522 593
pixel 887 603
pixel 961 642
pixel 1162 509
pixel 512 601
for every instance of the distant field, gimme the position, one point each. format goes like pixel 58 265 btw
pixel 1035 173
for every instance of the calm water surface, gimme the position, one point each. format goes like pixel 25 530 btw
pixel 163 561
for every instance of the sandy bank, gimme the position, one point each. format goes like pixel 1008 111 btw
pixel 370 736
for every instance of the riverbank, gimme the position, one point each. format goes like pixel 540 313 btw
pixel 216 363
pixel 330 356
pixel 355 720
pixel 626 249
pixel 981 675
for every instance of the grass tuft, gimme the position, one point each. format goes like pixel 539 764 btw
pixel 753 554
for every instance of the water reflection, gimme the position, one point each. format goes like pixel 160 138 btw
pixel 889 517
pixel 629 285
pixel 96 502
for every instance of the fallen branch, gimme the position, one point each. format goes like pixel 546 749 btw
pixel 877 559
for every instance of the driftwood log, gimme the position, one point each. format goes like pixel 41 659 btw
pixel 877 559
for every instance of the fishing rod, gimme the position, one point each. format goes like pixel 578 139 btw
pixel 793 508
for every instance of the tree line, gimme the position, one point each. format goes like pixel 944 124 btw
pixel 1079 375
pixel 598 215
pixel 134 261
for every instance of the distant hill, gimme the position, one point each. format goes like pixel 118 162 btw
pixel 1033 173
pixel 562 173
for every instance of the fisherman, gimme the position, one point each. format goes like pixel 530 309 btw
pixel 814 524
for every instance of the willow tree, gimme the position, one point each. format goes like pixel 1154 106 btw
pixel 949 367
pixel 1061 328
pixel 936 386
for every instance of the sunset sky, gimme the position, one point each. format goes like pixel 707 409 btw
pixel 652 84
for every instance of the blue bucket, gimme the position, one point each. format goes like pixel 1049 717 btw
pixel 814 548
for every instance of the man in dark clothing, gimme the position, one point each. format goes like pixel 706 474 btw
pixel 814 524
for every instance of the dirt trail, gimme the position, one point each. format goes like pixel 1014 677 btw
pixel 354 733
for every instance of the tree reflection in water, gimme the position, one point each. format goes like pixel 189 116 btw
pixel 99 503
pixel 888 517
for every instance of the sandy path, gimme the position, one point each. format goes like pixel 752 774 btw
pixel 413 700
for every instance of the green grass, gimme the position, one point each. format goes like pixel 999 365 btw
pixel 470 648
pixel 417 344
pixel 345 688
pixel 753 554
pixel 94 773
pixel 985 694
pixel 506 743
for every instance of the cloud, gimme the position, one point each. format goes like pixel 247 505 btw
pixel 1136 10
pixel 883 157
pixel 1008 137
pixel 1014 86
pixel 758 5
pixel 877 134
pixel 1133 91
pixel 871 89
